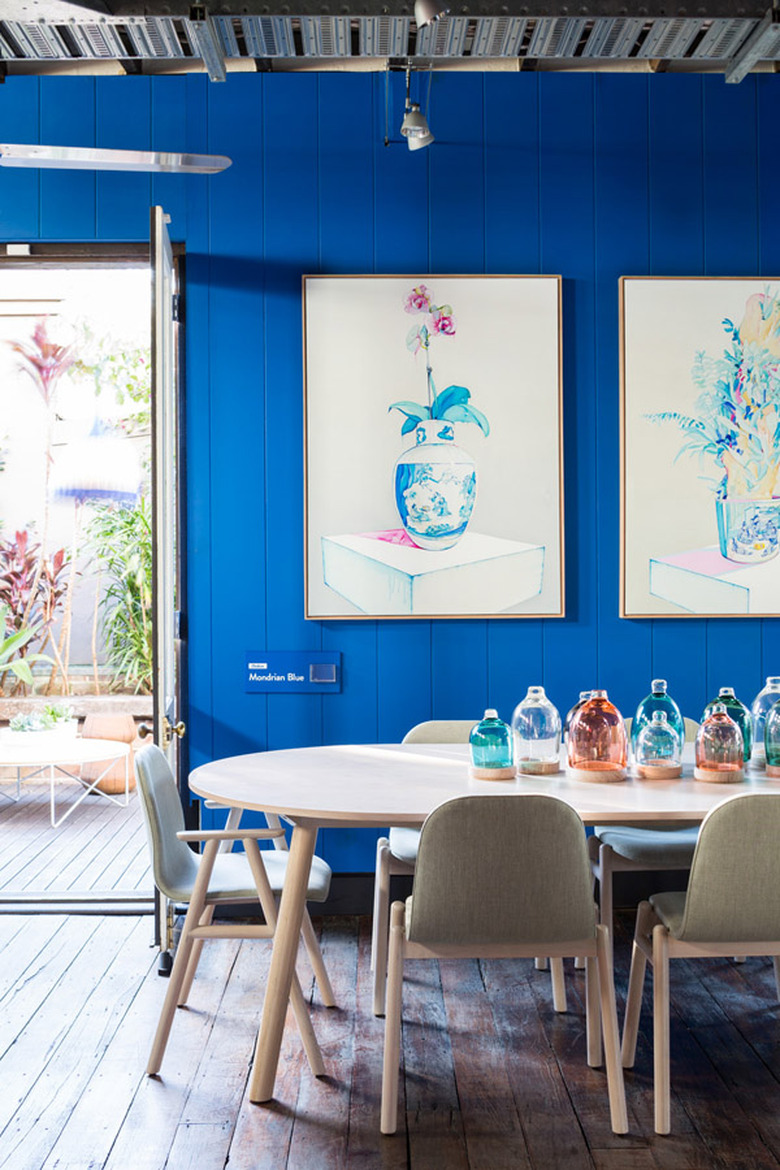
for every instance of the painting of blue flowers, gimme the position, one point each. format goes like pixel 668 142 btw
pixel 701 453
pixel 433 446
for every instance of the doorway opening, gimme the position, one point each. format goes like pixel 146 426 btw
pixel 76 580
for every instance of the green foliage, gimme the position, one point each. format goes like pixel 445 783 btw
pixel 120 538
pixel 12 646
pixel 52 716
pixel 452 404
pixel 119 365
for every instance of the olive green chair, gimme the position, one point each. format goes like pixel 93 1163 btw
pixel 500 877
pixel 205 880
pixel 730 908
pixel 397 854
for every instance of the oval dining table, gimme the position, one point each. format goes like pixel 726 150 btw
pixel 377 785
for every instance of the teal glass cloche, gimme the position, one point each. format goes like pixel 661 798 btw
pixel 490 744
pixel 658 700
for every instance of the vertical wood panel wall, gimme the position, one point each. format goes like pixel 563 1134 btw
pixel 592 177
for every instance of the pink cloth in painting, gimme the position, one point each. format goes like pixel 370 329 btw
pixel 703 560
pixel 390 536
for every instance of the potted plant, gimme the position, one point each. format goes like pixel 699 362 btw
pixel 435 479
pixel 737 427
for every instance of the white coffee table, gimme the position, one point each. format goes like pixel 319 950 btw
pixel 400 784
pixel 57 755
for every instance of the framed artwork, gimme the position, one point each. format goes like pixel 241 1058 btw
pixel 433 446
pixel 700 458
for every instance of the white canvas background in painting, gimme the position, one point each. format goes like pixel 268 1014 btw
pixel 505 351
pixel 668 497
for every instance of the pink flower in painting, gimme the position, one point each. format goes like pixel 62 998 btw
pixel 418 300
pixel 443 323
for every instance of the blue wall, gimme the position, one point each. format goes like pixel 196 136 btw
pixel 591 177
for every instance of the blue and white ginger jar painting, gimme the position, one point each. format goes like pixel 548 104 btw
pixel 435 486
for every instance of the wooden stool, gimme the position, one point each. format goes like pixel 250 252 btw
pixel 118 727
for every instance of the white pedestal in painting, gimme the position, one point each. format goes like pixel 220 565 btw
pixel 383 574
pixel 702 581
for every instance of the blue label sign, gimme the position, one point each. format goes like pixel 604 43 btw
pixel 293 671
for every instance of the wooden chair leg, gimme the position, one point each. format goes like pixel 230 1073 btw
pixel 392 1054
pixel 317 962
pixel 776 964
pixel 661 1073
pixel 540 963
pixel 617 1092
pixel 183 952
pixel 558 985
pixel 579 963
pixel 592 1013
pixel 636 982
pixel 605 887
pixel 192 966
pixel 299 1005
pixel 379 930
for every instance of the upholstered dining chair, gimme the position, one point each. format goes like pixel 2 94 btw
pixel 499 877
pixel 731 907
pixel 397 854
pixel 205 881
pixel 622 848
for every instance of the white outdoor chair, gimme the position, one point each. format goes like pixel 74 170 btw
pixel 397 854
pixel 731 908
pixel 213 878
pixel 627 848
pixel 500 877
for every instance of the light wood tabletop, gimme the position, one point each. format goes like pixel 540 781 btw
pixel 399 784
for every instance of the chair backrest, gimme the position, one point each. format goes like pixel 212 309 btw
pixel 174 864
pixel 735 874
pixel 440 731
pixel 502 869
pixel 691 728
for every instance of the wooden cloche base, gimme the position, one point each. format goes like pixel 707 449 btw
pixel 710 776
pixel 492 773
pixel 658 771
pixel 600 775
pixel 538 767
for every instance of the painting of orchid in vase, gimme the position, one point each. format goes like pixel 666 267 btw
pixel 420 393
pixel 701 386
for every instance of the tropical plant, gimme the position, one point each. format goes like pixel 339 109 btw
pixel 45 361
pixel 31 590
pixel 736 426
pixel 121 366
pixel 120 536
pixel 12 645
pixel 453 403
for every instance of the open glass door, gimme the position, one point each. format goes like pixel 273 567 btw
pixel 168 728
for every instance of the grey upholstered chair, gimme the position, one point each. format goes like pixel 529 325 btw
pixel 621 848
pixel 214 878
pixel 397 854
pixel 731 907
pixel 498 877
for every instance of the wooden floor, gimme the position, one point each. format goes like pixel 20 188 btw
pixel 100 848
pixel 493 1078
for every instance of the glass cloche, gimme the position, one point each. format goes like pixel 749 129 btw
pixel 738 712
pixel 490 743
pixel 772 740
pixel 762 703
pixel 658 700
pixel 597 745
pixel 658 753
pixel 536 726
pixel 584 696
pixel 719 749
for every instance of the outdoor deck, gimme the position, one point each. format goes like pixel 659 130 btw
pixel 100 850
pixel 493 1077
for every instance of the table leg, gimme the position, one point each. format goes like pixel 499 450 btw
pixel 285 950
